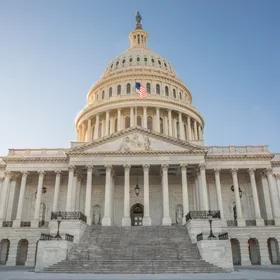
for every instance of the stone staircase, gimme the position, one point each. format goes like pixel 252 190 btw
pixel 155 249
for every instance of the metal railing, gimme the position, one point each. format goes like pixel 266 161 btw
pixel 269 222
pixel 251 223
pixel 199 237
pixel 231 223
pixel 69 216
pixel 69 237
pixel 25 224
pixel 7 223
pixel 45 236
pixel 202 215
pixel 223 236
pixel 43 224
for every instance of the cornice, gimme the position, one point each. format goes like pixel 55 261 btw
pixel 240 157
pixel 275 163
pixel 134 99
pixel 34 159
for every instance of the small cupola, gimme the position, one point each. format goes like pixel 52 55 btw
pixel 138 37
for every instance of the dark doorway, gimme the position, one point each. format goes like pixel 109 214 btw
pixel 4 250
pixel 235 249
pixel 137 212
pixel 22 252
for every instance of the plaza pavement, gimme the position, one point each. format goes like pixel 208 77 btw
pixel 249 273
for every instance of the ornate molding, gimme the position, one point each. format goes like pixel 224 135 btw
pixel 146 167
pixel 35 159
pixel 41 173
pixel 164 167
pixel 251 171
pixel 132 142
pixel 127 167
pixel 244 157
pixel 234 171
pixel 183 166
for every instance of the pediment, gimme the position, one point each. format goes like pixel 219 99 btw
pixel 136 140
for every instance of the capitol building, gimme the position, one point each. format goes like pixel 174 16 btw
pixel 139 164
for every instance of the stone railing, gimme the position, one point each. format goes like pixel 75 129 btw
pixel 7 223
pixel 269 222
pixel 251 223
pixel 237 149
pixel 68 237
pixel 231 223
pixel 69 216
pixel 25 224
pixel 202 215
pixel 46 237
pixel 223 236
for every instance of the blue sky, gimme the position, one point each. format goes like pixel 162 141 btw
pixel 226 52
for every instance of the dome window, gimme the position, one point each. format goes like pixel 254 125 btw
pixel 166 91
pixel 117 63
pixel 165 65
pixel 119 90
pixel 158 89
pixel 123 61
pixel 110 92
pixel 159 62
pixel 112 65
pixel 138 59
pixel 174 93
pixel 103 94
pixel 153 61
pixel 128 88
pixel 145 59
pixel 130 60
pixel 148 87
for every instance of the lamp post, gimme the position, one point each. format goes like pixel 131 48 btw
pixel 58 218
pixel 210 219
pixel 137 188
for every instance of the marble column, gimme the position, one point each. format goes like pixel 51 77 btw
pixel 131 116
pixel 170 123
pixel 107 220
pixel 107 123
pixel 273 197
pixel 96 128
pixel 78 197
pixel 17 221
pixel 88 138
pixel 200 132
pixel 35 222
pixel 119 122
pixel 56 190
pixel 219 193
pixel 146 219
pixel 184 192
pixel 189 128
pixel 126 220
pixel 266 197
pixel 74 191
pixel 157 120
pixel 83 132
pixel 259 220
pixel 195 131
pixel 240 220
pixel 68 207
pixel 166 220
pixel 1 185
pixel 181 128
pixel 10 201
pixel 145 125
pixel 165 125
pixel 204 193
pixel 4 195
pixel 277 178
pixel 112 124
pixel 88 195
pixel 175 133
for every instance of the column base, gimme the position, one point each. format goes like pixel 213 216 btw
pixel 107 222
pixel 277 221
pixel 126 222
pixel 89 221
pixel 147 221
pixel 259 222
pixel 34 223
pixel 16 223
pixel 166 221
pixel 241 222
pixel 1 223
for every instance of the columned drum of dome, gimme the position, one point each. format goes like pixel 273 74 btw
pixel 113 98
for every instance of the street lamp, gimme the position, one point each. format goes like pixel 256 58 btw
pixel 137 189
pixel 58 218
pixel 210 219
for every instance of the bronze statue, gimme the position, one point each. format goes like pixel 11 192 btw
pixel 138 21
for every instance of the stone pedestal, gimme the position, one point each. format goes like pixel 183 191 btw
pixel 34 223
pixel 147 221
pixel 107 222
pixel 126 222
pixel 166 221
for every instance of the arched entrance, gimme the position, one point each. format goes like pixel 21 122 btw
pixel 137 213
pixel 4 250
pixel 273 250
pixel 235 249
pixel 254 251
pixel 22 252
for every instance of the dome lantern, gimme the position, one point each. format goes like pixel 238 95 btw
pixel 138 37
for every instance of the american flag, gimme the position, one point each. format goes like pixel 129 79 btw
pixel 141 90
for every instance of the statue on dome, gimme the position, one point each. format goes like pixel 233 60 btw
pixel 138 21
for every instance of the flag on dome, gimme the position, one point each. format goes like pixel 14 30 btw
pixel 141 90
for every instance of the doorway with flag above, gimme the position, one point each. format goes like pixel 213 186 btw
pixel 137 213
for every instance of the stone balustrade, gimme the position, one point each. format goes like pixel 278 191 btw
pixel 237 149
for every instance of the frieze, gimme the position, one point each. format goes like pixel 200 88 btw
pixel 34 159
pixel 240 157
pixel 135 143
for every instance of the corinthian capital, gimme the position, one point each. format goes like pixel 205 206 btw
pixel 126 167
pixel 269 171
pixel 183 166
pixel 234 171
pixel 164 167
pixel 146 167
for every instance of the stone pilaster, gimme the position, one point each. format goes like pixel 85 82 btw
pixel 131 116
pixel 166 220
pixel 157 120
pixel 119 120
pixel 88 138
pixel 184 191
pixel 189 129
pixel 56 190
pixel 219 193
pixel 146 219
pixel 170 123
pixel 204 193
pixel 107 124
pixel 88 194
pixel 96 128
pixel 181 127
pixel 107 220
pixel 126 220
pixel 68 206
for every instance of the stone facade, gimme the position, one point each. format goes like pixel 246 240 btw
pixel 155 143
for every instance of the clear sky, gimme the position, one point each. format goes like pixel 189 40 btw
pixel 226 52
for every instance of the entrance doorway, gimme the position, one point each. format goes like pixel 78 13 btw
pixel 137 213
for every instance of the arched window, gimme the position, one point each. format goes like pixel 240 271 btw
pixel 150 122
pixel 119 90
pixel 130 60
pixel 128 88
pixel 148 87
pixel 127 122
pixel 161 125
pixel 116 125
pixel 174 93
pixel 100 130
pixel 103 94
pixel 180 95
pixel 153 61
pixel 158 89
pixel 139 121
pixel 178 130
pixel 166 91
pixel 110 92
pixel 145 59
pixel 138 59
